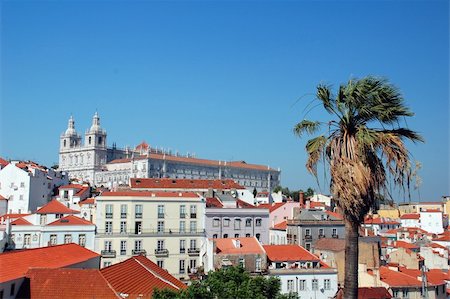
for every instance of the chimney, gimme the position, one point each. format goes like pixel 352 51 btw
pixel 302 199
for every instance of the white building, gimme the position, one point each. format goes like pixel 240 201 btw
pixel 431 221
pixel 93 161
pixel 53 224
pixel 278 234
pixel 301 272
pixel 168 227
pixel 410 220
pixel 28 185
pixel 71 195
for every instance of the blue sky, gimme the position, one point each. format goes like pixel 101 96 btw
pixel 220 79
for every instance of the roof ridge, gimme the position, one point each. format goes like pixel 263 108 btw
pixel 155 274
pixel 109 285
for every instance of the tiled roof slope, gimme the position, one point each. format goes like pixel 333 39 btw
pixel 149 194
pixel 167 183
pixel 331 244
pixel 70 220
pixel 138 275
pixel 369 293
pixel 281 226
pixel 271 207
pixel 69 283
pixel 398 279
pixel 55 207
pixel 246 246
pixel 15 264
pixel 283 253
pixel 21 221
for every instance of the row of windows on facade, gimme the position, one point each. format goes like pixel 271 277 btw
pixel 139 208
pixel 12 185
pixel 405 292
pixel 53 239
pixel 160 227
pixel 225 236
pixel 192 268
pixel 74 142
pixel 302 285
pixel 309 235
pixel 237 222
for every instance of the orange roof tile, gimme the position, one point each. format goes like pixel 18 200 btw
pixel 15 264
pixel 331 244
pixel 431 211
pixel 70 220
pixel 12 216
pixel 3 162
pixel 246 246
pixel 139 275
pixel 21 221
pixel 398 279
pixel 142 146
pixel 69 283
pixel 136 193
pixel 213 202
pixel 281 226
pixel 369 293
pixel 272 207
pixel 70 186
pixel 380 220
pixel 87 201
pixel 335 215
pixel 410 216
pixel 2 197
pixel 283 253
pixel 434 276
pixel 243 204
pixel 55 207
pixel 167 183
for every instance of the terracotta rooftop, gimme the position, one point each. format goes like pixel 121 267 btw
pixel 272 207
pixel 55 207
pixel 431 211
pixel 404 244
pixel 70 220
pixel 330 244
pixel 434 276
pixel 213 202
pixel 15 264
pixel 21 221
pixel 69 283
pixel 335 215
pixel 87 201
pixel 410 216
pixel 445 237
pixel 398 279
pixel 2 197
pixel 369 293
pixel 138 275
pixel 167 183
pixel 3 162
pixel 284 253
pixel 280 226
pixel 136 193
pixel 380 220
pixel 238 246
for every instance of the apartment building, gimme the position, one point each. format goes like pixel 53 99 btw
pixel 167 227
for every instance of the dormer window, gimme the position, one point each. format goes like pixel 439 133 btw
pixel 58 216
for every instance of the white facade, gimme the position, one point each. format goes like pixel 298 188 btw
pixel 321 198
pixel 277 236
pixel 431 221
pixel 410 222
pixel 28 186
pixel 435 258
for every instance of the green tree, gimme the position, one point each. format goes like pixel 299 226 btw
pixel 363 149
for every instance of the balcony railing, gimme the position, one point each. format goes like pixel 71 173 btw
pixel 182 215
pixel 109 215
pixel 151 232
pixel 161 252
pixel 336 236
pixel 108 253
pixel 193 215
pixel 182 250
pixel 160 215
pixel 123 215
pixel 308 237
pixel 193 251
pixel 321 236
pixel 138 215
pixel 139 252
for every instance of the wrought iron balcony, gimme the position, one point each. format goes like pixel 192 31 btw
pixel 150 232
pixel 193 251
pixel 139 252
pixel 108 253
pixel 161 252
pixel 335 236
pixel 308 237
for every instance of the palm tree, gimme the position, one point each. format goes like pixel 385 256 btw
pixel 363 148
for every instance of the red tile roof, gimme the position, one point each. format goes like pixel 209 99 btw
pixel 246 246
pixel 136 193
pixel 369 293
pixel 335 215
pixel 243 204
pixel 281 226
pixel 431 211
pixel 21 221
pixel 445 237
pixel 380 220
pixel 316 204
pixel 284 253
pixel 69 283
pixel 142 146
pixel 138 275
pixel 55 207
pixel 71 186
pixel 410 216
pixel 87 201
pixel 434 276
pixel 167 183
pixel 16 263
pixel 213 202
pixel 398 279
pixel 11 216
pixel 330 244
pixel 403 244
pixel 3 162
pixel 272 207
pixel 70 220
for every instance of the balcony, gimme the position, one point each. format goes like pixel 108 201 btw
pixel 108 253
pixel 149 232
pixel 321 236
pixel 139 252
pixel 160 215
pixel 138 215
pixel 123 215
pixel 182 250
pixel 182 215
pixel 161 252
pixel 308 237
pixel 335 236
pixel 109 215
pixel 194 251
pixel 193 215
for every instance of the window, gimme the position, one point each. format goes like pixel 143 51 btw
pixel 258 222
pixel 242 262
pixel 160 245
pixel 247 235
pixel 182 211
pixel 334 232
pixel 182 266
pixel 160 211
pixel 108 227
pixel 13 289
pixel 302 285
pixel 82 240
pixel 321 233
pixel 215 236
pixel 258 236
pixel 193 244
pixel 258 264
pixel 160 226
pixel 307 232
pixel 248 222
pixel 123 227
pixel 138 211
pixel 108 246
pixel 138 245
pixel 193 264
pixel 396 293
pixel 53 239
pixel 237 223
pixel 160 263
pixel 193 211
pixel 315 284
pixel 326 284
pixel 106 264
pixel 182 246
pixel 22 184
pixel 27 240
pixel 308 246
pixel 43 219
pixel 109 211
pixel 405 292
pixel 123 211
pixel 123 247
pixel 182 226
pixel 226 222
pixel 225 236
pixel 20 197
pixel 57 216
pixel 193 226
pixel 216 222
pixel 236 235
pixel 290 285
pixel 138 227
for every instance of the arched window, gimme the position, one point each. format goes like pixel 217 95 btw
pixel 65 143
pixel 90 139
pixel 100 139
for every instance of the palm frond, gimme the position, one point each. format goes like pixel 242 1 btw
pixel 315 149
pixel 306 126
pixel 324 95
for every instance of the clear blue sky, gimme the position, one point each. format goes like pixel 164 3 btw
pixel 216 78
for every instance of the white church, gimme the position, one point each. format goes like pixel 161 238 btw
pixel 93 161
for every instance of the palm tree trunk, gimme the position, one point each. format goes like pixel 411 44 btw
pixel 351 259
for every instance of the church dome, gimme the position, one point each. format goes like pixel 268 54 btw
pixel 95 128
pixel 71 127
